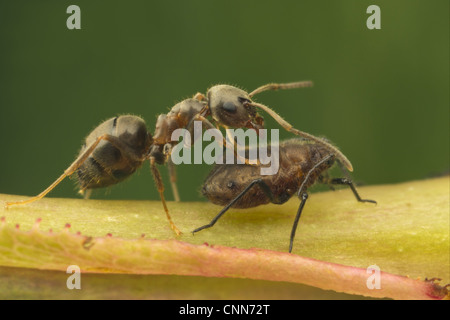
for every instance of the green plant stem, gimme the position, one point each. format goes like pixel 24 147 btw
pixel 401 235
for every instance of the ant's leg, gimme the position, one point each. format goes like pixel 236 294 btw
pixel 281 86
pixel 237 149
pixel 304 197
pixel 173 179
pixel 160 187
pixel 86 193
pixel 286 125
pixel 239 196
pixel 75 165
pixel 172 172
pixel 348 182
pixel 209 125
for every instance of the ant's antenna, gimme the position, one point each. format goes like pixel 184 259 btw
pixel 294 85
pixel 286 125
pixel 281 86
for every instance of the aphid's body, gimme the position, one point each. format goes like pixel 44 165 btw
pixel 110 164
pixel 296 158
pixel 302 163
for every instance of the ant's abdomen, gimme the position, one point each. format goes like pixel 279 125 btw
pixel 107 165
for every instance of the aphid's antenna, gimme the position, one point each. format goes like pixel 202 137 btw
pixel 286 125
pixel 281 86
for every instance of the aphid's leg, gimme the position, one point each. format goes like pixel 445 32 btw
pixel 348 182
pixel 304 197
pixel 76 164
pixel 339 155
pixel 325 179
pixel 238 197
pixel 281 86
pixel 160 187
pixel 172 171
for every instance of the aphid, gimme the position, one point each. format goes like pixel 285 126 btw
pixel 111 153
pixel 302 163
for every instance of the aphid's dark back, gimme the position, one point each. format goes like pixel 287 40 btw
pixel 296 158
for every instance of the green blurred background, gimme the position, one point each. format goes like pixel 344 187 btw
pixel 382 96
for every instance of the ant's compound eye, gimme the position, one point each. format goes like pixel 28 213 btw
pixel 229 107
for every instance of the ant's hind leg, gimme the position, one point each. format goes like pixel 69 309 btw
pixel 348 182
pixel 71 169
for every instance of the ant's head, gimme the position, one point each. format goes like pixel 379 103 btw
pixel 231 107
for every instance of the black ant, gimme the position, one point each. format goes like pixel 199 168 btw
pixel 113 151
pixel 302 163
